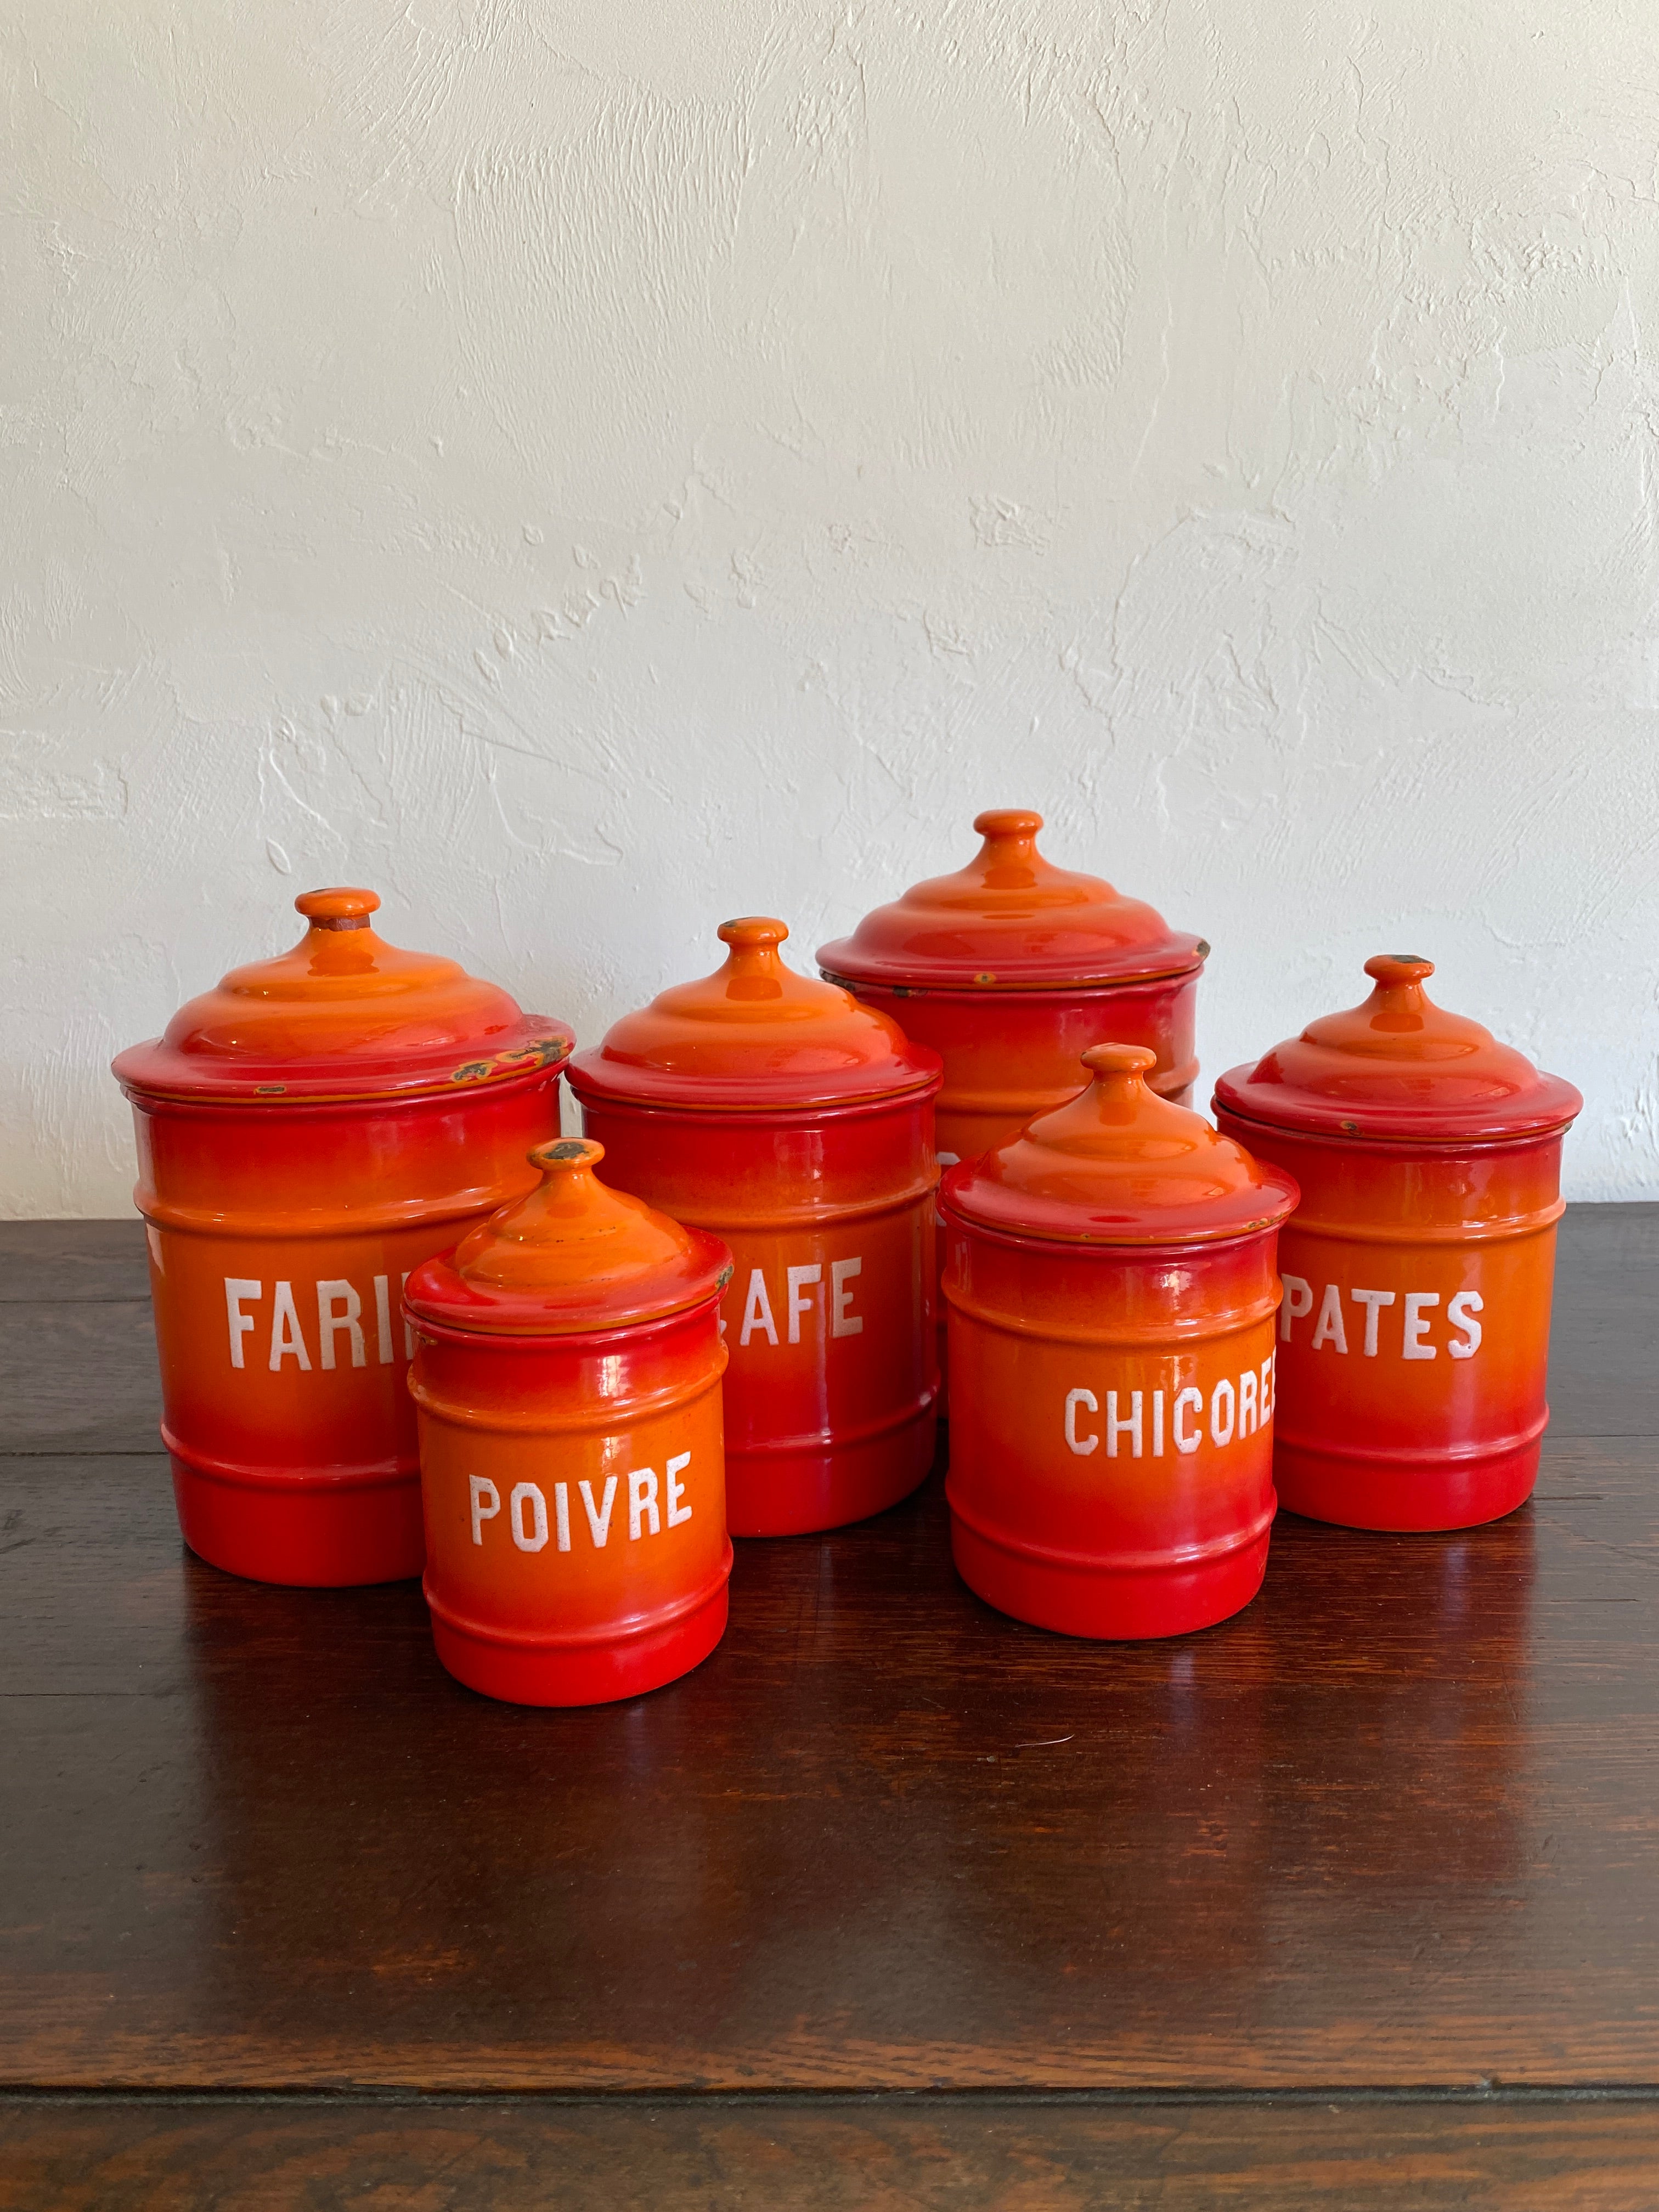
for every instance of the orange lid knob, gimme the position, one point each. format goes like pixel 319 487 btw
pixel 341 908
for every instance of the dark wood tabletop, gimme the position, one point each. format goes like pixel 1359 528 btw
pixel 1353 1900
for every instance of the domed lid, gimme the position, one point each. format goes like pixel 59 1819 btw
pixel 1119 1165
pixel 344 1015
pixel 753 1033
pixel 574 1255
pixel 1010 922
pixel 1398 1066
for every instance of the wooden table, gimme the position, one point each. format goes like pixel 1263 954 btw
pixel 1354 1901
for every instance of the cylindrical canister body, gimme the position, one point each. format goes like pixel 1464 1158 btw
pixel 575 1531
pixel 1011 1055
pixel 1010 970
pixel 1111 1434
pixel 568 1382
pixel 280 1238
pixel 1413 1339
pixel 308 1131
pixel 828 1318
pixel 1111 1292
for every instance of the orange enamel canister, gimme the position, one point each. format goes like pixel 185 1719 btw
pixel 777 1113
pixel 1415 1335
pixel 1111 1295
pixel 567 1379
pixel 308 1131
pixel 1012 968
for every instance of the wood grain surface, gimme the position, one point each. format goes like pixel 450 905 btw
pixel 1392 1829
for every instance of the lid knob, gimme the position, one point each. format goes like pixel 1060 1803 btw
pixel 1399 968
pixel 752 932
pixel 566 1154
pixel 753 970
pixel 1133 1061
pixel 341 907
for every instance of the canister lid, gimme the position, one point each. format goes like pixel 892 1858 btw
pixel 753 1034
pixel 1011 922
pixel 1398 1066
pixel 574 1255
pixel 344 1015
pixel 1117 1165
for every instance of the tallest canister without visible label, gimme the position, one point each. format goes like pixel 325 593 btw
pixel 1010 970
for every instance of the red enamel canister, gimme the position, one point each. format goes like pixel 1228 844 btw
pixel 1012 968
pixel 1111 1294
pixel 775 1112
pixel 1417 1269
pixel 308 1131
pixel 567 1379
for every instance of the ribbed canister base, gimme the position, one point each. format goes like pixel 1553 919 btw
pixel 305 1531
pixel 527 1671
pixel 780 1492
pixel 1119 1602
pixel 1410 1493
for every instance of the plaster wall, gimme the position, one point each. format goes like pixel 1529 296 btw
pixel 587 470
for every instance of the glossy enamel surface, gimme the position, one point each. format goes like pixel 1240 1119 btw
pixel 824 1194
pixel 1010 971
pixel 1111 1297
pixel 1418 1266
pixel 568 1382
pixel 287 1199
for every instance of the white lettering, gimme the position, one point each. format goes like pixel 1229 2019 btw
pixel 1248 1421
pixel 843 1321
pixel 482 1488
pixel 383 1319
pixel 1328 1328
pixel 1269 1372
pixel 1129 1426
pixel 339 1293
pixel 534 1538
pixel 1219 1435
pixel 641 1500
pixel 1417 1327
pixel 1298 1300
pixel 238 1287
pixel 1157 1425
pixel 286 1335
pixel 757 1310
pixel 676 1513
pixel 1460 1314
pixel 562 1514
pixel 1183 1441
pixel 1081 1445
pixel 1372 1301
pixel 408 1334
pixel 798 1304
pixel 599 1523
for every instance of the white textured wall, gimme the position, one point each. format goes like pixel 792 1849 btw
pixel 588 467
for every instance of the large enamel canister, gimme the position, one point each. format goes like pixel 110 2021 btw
pixel 775 1112
pixel 1417 1269
pixel 1012 968
pixel 567 1376
pixel 308 1131
pixel 1112 1294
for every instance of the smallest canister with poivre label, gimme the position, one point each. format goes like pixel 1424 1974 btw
pixel 1111 1286
pixel 1418 1268
pixel 567 1383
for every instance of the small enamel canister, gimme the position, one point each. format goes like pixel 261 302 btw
pixel 567 1379
pixel 777 1113
pixel 1111 1292
pixel 308 1131
pixel 1417 1269
pixel 1009 969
